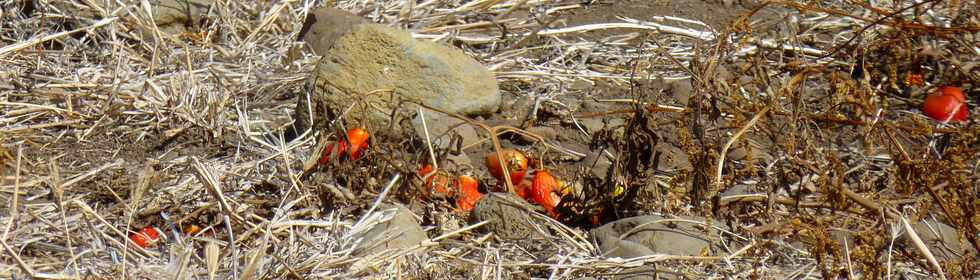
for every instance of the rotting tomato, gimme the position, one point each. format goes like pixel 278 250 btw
pixel 469 193
pixel 146 237
pixel 516 163
pixel 947 103
pixel 359 142
pixel 543 191
pixel 436 185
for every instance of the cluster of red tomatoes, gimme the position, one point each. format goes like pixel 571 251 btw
pixel 542 189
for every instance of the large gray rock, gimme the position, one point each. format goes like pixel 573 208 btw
pixel 373 57
pixel 323 27
pixel 652 234
pixel 398 230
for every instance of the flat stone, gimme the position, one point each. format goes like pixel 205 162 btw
pixel 374 65
pixel 740 189
pixel 593 125
pixel 398 230
pixel 461 160
pixel 943 240
pixel 517 107
pixel 441 127
pixel 681 90
pixel 548 133
pixel 673 158
pixel 508 215
pixel 598 164
pixel 756 150
pixel 645 235
pixel 441 130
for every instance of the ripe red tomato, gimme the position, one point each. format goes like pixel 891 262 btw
pixel 946 104
pixel 516 165
pixel 543 191
pixel 359 141
pixel 469 193
pixel 146 237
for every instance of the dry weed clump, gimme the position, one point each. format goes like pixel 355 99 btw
pixel 804 141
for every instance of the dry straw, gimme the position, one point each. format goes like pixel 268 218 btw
pixel 109 122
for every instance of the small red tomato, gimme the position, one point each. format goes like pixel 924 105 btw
pixel 469 193
pixel 543 191
pixel 359 142
pixel 516 165
pixel 946 104
pixel 146 237
pixel 436 185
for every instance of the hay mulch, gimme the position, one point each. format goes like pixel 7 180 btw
pixel 109 125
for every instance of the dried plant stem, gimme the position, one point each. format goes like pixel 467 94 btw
pixel 428 142
pixel 381 197
pixel 921 246
pixel 14 195
pixel 724 150
pixel 28 43
pixel 20 262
